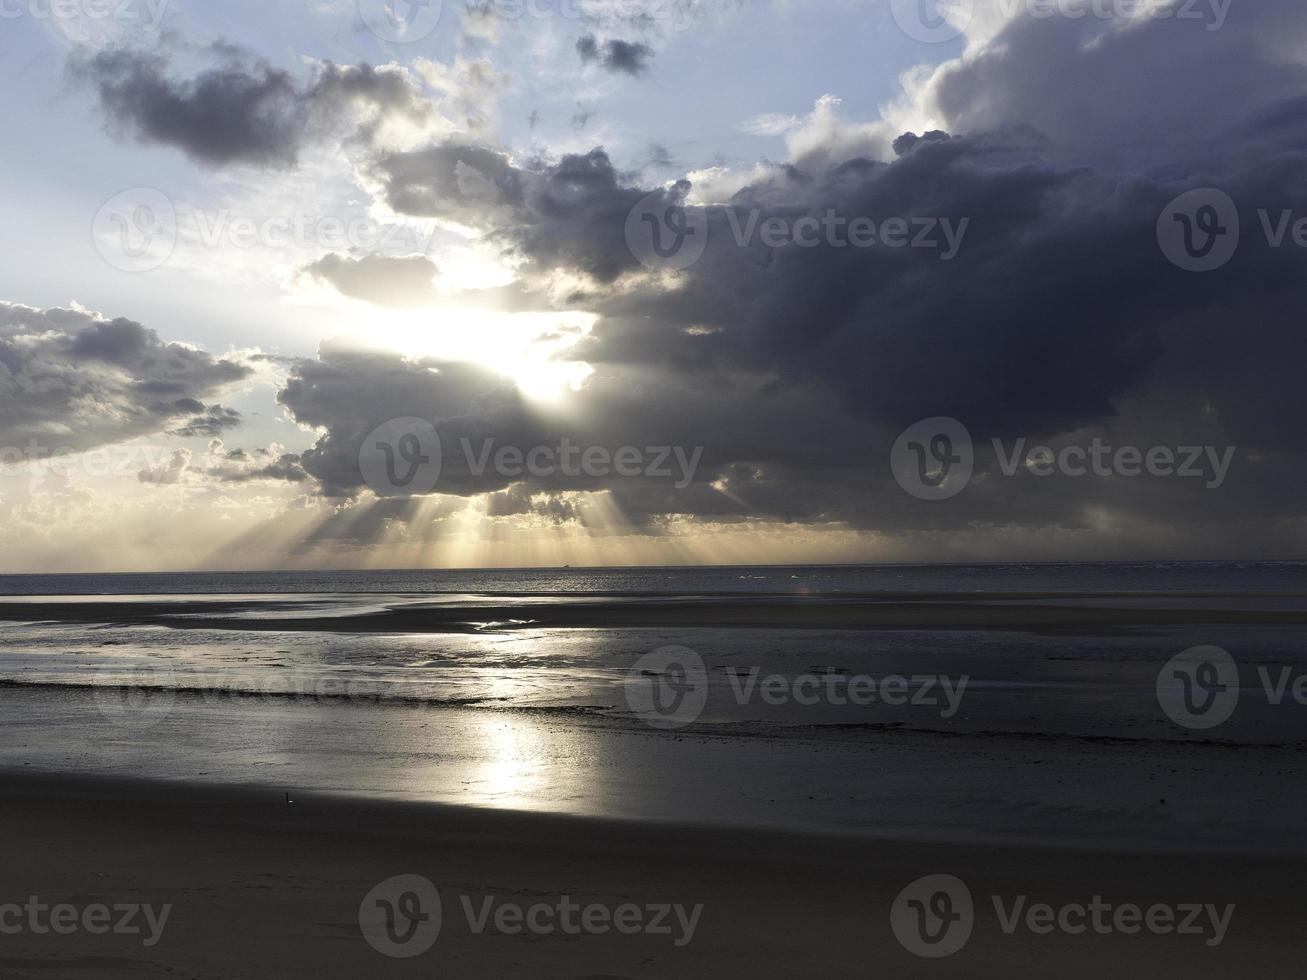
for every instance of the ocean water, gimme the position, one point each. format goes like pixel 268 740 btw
pixel 1048 729
pixel 1078 578
pixel 496 640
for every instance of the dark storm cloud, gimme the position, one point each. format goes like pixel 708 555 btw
pixel 1056 317
pixel 1057 312
pixel 397 281
pixel 211 421
pixel 468 401
pixel 615 55
pixel 1056 305
pixel 285 468
pixel 570 214
pixel 242 109
pixel 1205 75
pixel 222 466
pixel 231 113
pixel 575 217
pixel 349 392
pixel 626 56
pixel 72 381
pixel 114 342
pixel 255 466
pixel 520 500
pixel 471 184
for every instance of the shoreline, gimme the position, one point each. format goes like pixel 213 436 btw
pixel 979 789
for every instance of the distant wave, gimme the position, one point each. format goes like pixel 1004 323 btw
pixel 475 614
pixel 1053 577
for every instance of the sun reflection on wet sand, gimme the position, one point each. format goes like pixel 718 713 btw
pixel 514 768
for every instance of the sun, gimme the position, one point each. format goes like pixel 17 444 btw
pixel 529 349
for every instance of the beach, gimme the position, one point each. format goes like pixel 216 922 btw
pixel 260 887
pixel 633 489
pixel 928 782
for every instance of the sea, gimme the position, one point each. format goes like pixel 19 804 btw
pixel 1224 576
pixel 1031 702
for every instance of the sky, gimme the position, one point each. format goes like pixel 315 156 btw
pixel 617 282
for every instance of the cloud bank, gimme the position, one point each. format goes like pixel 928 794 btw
pixel 71 380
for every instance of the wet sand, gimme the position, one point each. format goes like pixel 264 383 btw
pixel 882 783
pixel 260 887
pixel 1029 611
